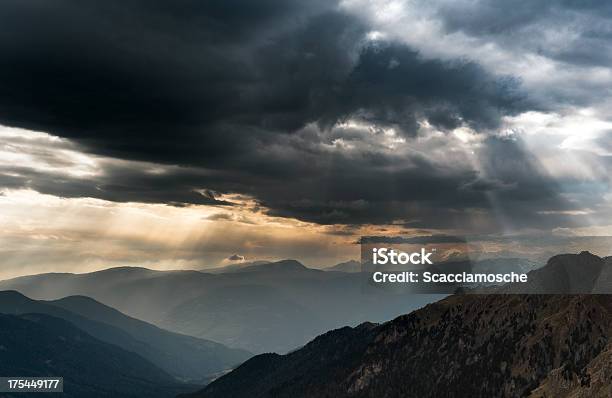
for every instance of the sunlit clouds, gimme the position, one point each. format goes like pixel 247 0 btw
pixel 43 232
pixel 46 233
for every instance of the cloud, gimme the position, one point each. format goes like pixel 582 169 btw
pixel 425 239
pixel 118 184
pixel 220 217
pixel 393 86
pixel 559 49
pixel 289 103
pixel 189 92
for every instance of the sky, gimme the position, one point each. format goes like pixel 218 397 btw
pixel 190 134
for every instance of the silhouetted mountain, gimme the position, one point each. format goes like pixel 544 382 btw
pixel 139 292
pixel 347 266
pixel 282 265
pixel 279 266
pixel 41 345
pixel 567 274
pixel 323 361
pixel 233 267
pixel 181 356
pixel 266 307
pixel 465 345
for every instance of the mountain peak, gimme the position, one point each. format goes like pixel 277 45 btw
pixel 283 265
pixel 9 293
pixel 83 304
pixel 346 266
pixel 290 263
pixel 13 296
pixel 124 269
pixel 564 274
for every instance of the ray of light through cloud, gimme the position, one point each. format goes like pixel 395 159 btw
pixel 317 123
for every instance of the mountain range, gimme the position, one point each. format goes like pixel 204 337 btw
pixel 264 307
pixel 183 357
pixel 40 345
pixel 471 345
pixel 468 346
pixel 496 342
pixel 234 267
pixel 347 266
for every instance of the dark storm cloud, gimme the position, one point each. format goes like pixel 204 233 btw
pixel 512 187
pixel 141 79
pixel 178 84
pixel 392 85
pixel 118 184
pixel 225 88
pixel 325 73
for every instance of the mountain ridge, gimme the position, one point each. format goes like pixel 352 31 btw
pixel 297 303
pixel 346 266
pixel 476 345
pixel 40 345
pixel 566 273
pixel 457 347
pixel 184 357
